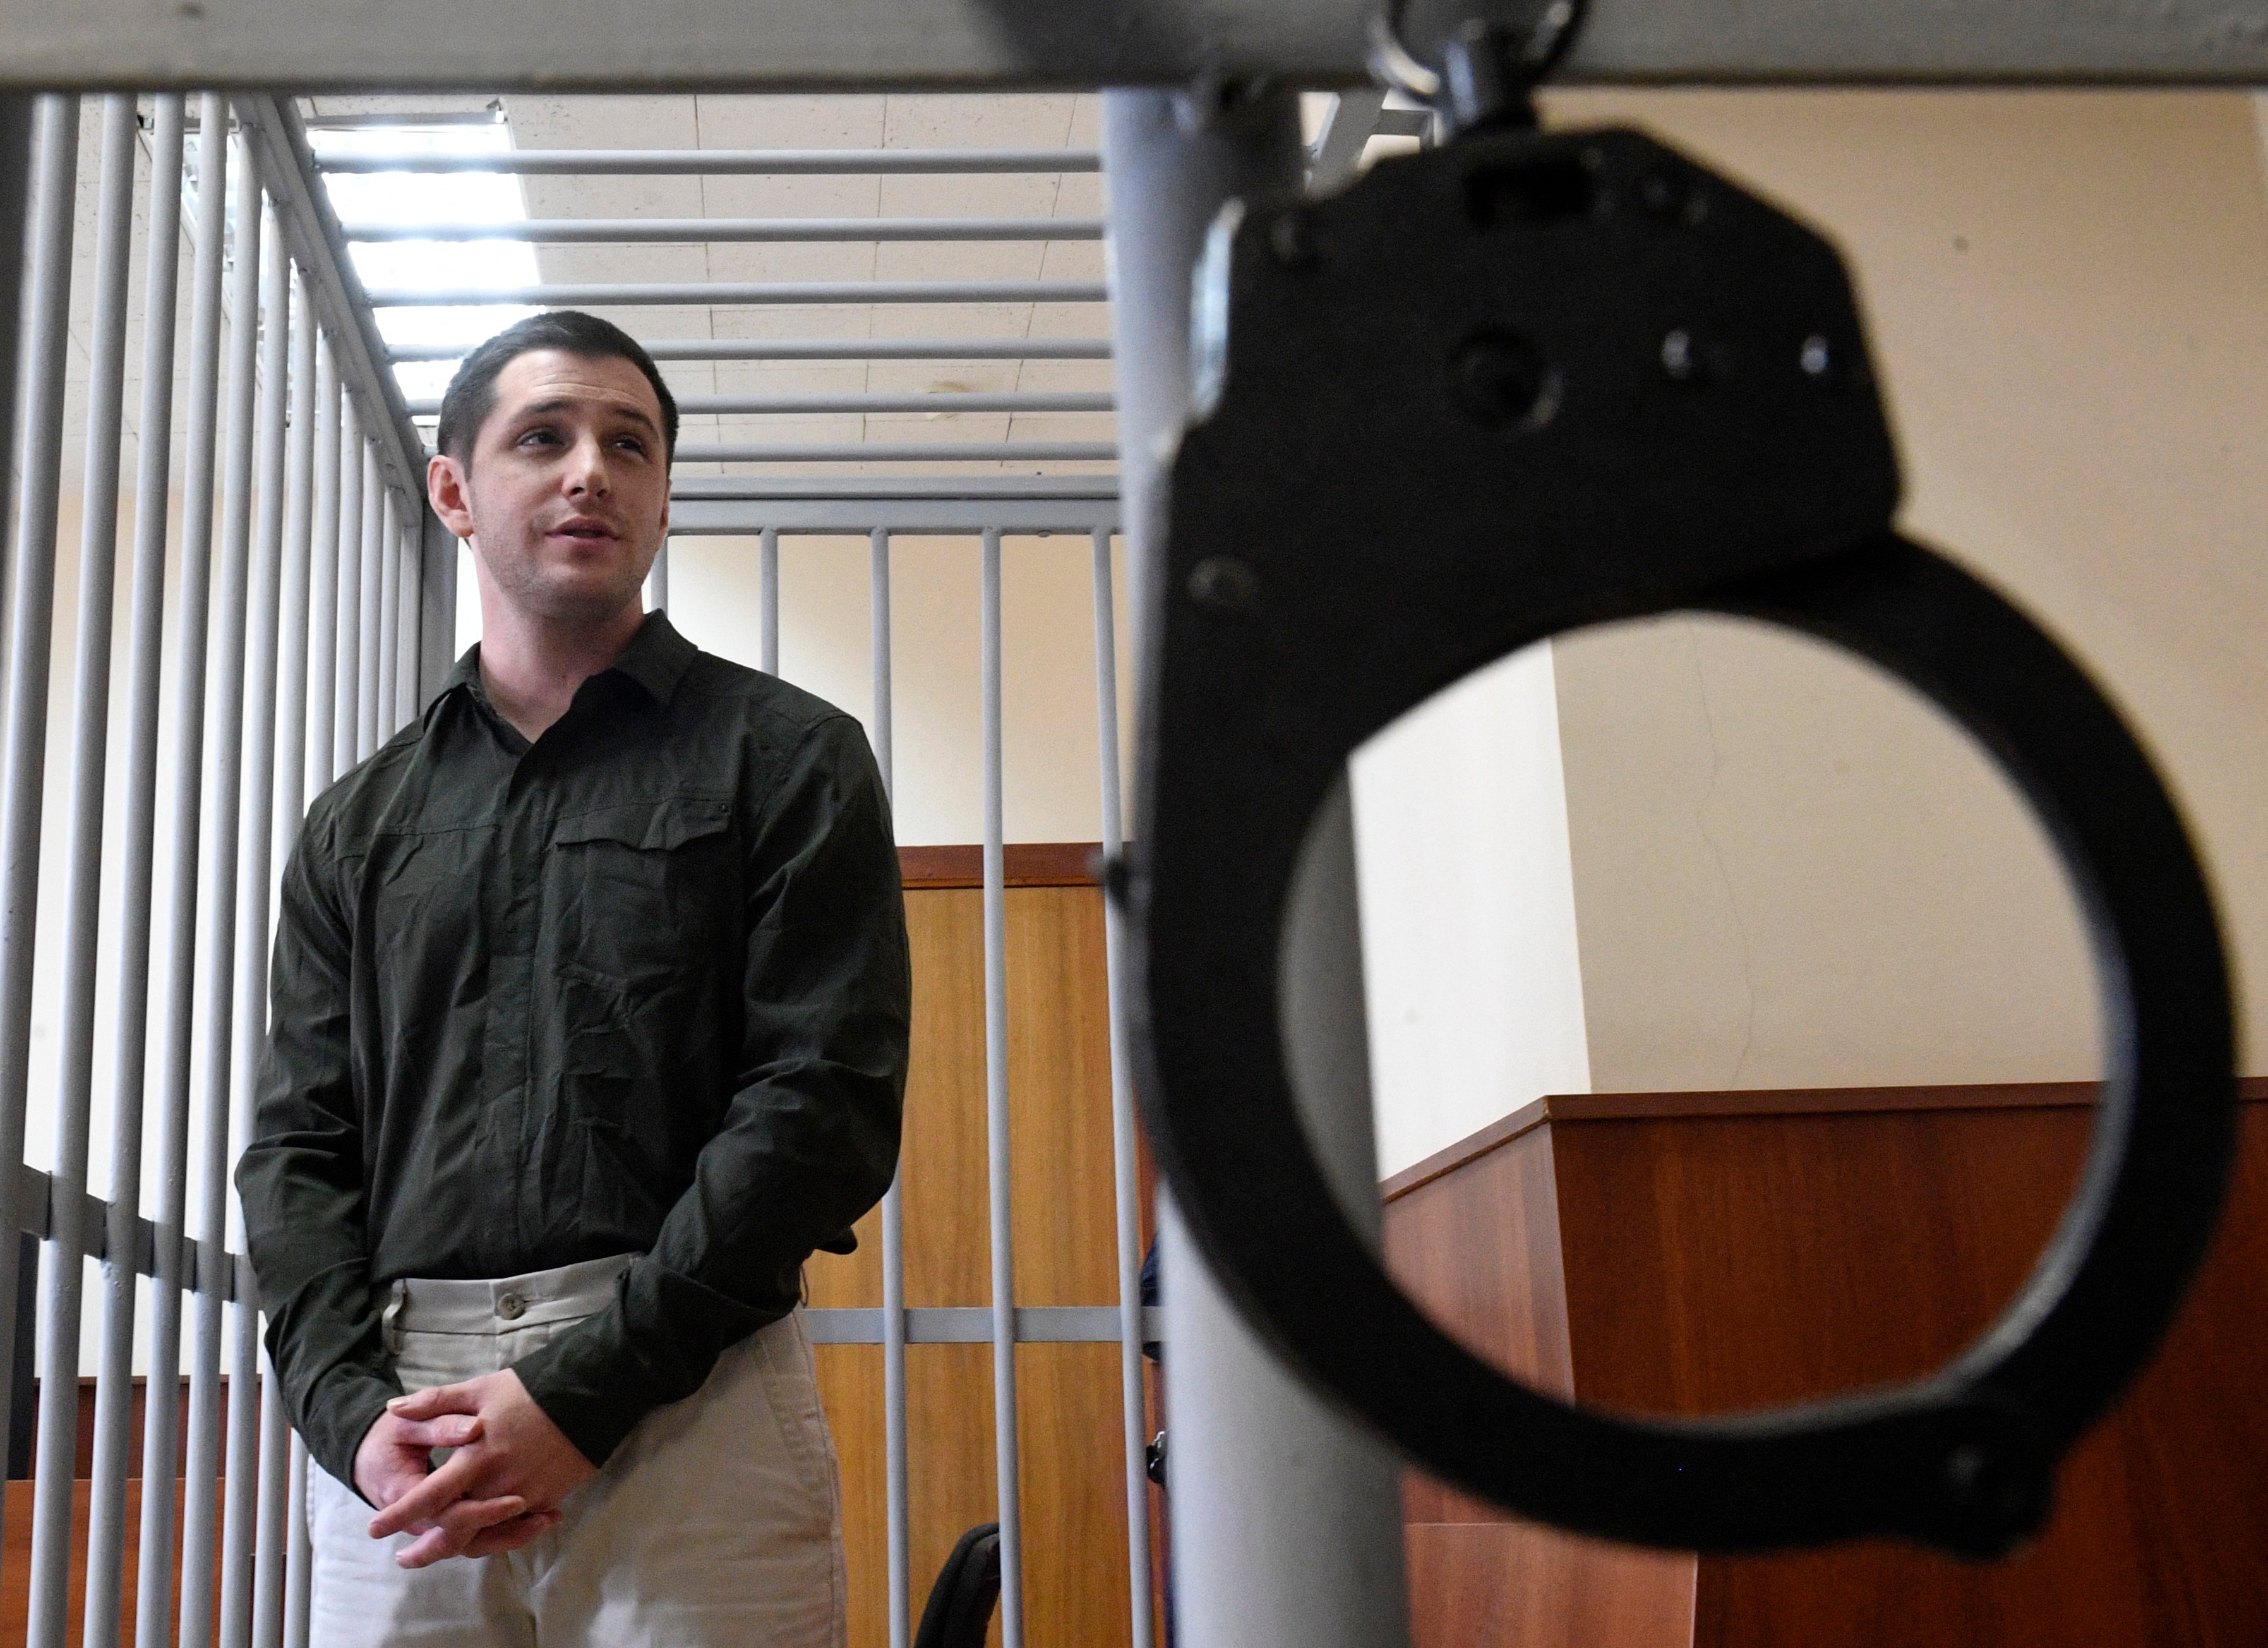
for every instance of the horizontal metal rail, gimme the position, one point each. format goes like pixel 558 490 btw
pixel 767 231
pixel 855 517
pixel 209 1268
pixel 665 349
pixel 972 1324
pixel 887 489
pixel 721 294
pixel 731 162
pixel 945 402
pixel 979 45
pixel 924 452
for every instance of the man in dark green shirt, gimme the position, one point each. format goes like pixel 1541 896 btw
pixel 590 1004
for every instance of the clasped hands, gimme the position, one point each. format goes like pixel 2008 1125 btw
pixel 499 1490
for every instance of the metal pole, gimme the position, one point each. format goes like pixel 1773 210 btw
pixel 114 1399
pixel 896 1479
pixel 1005 1439
pixel 824 349
pixel 767 600
pixel 389 614
pixel 161 1429
pixel 66 1265
pixel 321 764
pixel 346 685
pixel 1287 1523
pixel 200 1538
pixel 900 452
pixel 728 162
pixel 268 1597
pixel 46 335
pixel 657 581
pixel 407 606
pixel 299 1572
pixel 377 506
pixel 708 294
pixel 1125 1175
pixel 743 231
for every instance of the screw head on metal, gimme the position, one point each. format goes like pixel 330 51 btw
pixel 1681 357
pixel 1224 583
pixel 1500 380
pixel 1817 358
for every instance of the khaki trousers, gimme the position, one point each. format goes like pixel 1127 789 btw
pixel 717 1521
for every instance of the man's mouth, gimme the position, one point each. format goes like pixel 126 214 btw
pixel 592 530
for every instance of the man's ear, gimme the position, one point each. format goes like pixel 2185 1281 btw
pixel 447 488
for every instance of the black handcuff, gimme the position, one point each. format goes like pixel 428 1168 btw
pixel 1511 386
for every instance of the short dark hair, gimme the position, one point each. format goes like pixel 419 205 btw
pixel 472 392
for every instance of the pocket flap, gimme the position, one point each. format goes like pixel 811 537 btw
pixel 653 825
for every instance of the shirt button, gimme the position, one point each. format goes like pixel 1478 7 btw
pixel 511 1306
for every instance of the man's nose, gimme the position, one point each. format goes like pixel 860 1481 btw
pixel 586 469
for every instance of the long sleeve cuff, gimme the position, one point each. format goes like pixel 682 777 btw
pixel 339 1413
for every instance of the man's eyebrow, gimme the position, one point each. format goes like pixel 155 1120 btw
pixel 560 404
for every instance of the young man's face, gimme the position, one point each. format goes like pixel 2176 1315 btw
pixel 566 494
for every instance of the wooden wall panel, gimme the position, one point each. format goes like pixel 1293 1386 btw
pixel 16 1561
pixel 1072 1478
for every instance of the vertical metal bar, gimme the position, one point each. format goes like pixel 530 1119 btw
pixel 406 607
pixel 161 1429
pixel 31 578
pixel 389 613
pixel 299 1571
pixel 896 1484
pixel 767 600
pixel 1004 1438
pixel 323 583
pixel 437 607
pixel 243 1477
pixel 114 1399
pixel 376 508
pixel 657 581
pixel 15 178
pixel 268 1597
pixel 1287 1522
pixel 347 683
pixel 199 1537
pixel 66 1265
pixel 1125 1177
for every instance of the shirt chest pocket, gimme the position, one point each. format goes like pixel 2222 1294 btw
pixel 645 892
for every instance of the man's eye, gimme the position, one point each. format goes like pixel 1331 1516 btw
pixel 631 443
pixel 537 436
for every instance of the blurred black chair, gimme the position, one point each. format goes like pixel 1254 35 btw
pixel 959 1608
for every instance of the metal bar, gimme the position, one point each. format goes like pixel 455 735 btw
pixel 298 635
pixel 896 488
pixel 65 1269
pixel 730 162
pixel 897 1483
pixel 268 1601
pixel 201 1539
pixel 667 349
pixel 404 704
pixel 657 581
pixel 975 45
pixel 389 614
pixel 1287 1529
pixel 848 517
pixel 767 600
pixel 759 231
pixel 813 404
pixel 16 127
pixel 272 129
pixel 1124 1168
pixel 347 685
pixel 114 1398
pixel 161 1430
pixel 436 605
pixel 375 507
pixel 32 589
pixel 972 1324
pixel 245 1479
pixel 887 451
pixel 721 294
pixel 299 1571
pixel 1005 1439
pixel 323 595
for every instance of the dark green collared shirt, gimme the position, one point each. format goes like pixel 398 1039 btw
pixel 638 987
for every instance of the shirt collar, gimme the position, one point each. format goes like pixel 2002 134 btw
pixel 655 660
